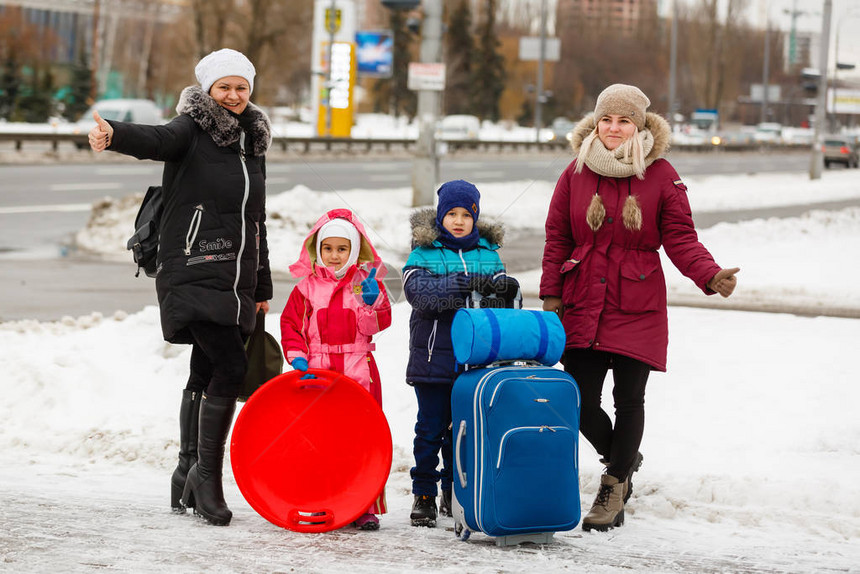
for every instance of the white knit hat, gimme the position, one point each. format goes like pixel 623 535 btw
pixel 222 63
pixel 340 228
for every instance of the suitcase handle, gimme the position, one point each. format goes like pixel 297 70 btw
pixel 460 434
pixel 475 298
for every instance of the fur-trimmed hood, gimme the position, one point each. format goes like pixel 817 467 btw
pixel 368 256
pixel 425 232
pixel 658 127
pixel 220 124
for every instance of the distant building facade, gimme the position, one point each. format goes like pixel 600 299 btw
pixel 625 14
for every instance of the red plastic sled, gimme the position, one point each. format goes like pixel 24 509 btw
pixel 311 455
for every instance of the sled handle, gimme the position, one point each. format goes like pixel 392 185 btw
pixel 461 432
pixel 312 378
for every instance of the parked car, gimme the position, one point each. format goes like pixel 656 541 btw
pixel 561 130
pixel 768 132
pixel 123 110
pixel 840 149
pixel 458 127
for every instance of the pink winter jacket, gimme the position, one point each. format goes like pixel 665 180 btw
pixel 325 319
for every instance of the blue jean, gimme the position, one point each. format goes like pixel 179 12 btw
pixel 432 435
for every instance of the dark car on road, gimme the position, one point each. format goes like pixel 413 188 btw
pixel 840 149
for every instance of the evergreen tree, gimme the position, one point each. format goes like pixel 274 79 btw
pixel 37 105
pixel 459 52
pixel 527 113
pixel 10 86
pixel 77 99
pixel 488 69
pixel 400 100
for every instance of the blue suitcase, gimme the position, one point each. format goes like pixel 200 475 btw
pixel 516 452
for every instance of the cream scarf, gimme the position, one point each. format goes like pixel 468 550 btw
pixel 617 163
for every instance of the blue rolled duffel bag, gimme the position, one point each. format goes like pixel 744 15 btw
pixel 484 336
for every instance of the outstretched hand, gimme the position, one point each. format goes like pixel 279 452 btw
pixel 101 135
pixel 370 288
pixel 724 282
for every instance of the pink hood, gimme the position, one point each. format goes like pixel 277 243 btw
pixel 368 258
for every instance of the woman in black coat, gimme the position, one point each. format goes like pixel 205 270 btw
pixel 213 266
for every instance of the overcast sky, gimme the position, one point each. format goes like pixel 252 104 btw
pixel 845 19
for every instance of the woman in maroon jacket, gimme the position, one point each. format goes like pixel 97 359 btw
pixel 614 206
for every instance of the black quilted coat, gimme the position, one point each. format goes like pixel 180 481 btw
pixel 213 259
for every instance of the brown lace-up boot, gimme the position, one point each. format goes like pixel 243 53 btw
pixel 608 508
pixel 628 482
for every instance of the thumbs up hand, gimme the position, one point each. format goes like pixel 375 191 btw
pixel 724 282
pixel 101 135
pixel 370 288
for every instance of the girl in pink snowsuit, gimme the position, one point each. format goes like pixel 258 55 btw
pixel 336 308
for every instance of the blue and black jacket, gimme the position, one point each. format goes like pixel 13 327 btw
pixel 433 281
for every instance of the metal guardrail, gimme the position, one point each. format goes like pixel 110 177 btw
pixel 307 144
pixel 367 145
pixel 54 139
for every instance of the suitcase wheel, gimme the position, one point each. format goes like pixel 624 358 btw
pixel 461 533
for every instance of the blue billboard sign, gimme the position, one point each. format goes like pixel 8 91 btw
pixel 374 53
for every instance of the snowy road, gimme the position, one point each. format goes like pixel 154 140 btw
pixel 750 444
pixel 93 519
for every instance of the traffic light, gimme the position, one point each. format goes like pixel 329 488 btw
pixel 401 4
pixel 810 78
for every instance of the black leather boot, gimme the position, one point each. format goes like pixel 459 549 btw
pixel 445 504
pixel 423 511
pixel 203 485
pixel 189 415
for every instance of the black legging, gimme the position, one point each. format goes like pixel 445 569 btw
pixel 218 360
pixel 617 445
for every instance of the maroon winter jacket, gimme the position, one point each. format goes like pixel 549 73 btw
pixel 611 281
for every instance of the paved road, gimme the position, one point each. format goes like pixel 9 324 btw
pixel 41 207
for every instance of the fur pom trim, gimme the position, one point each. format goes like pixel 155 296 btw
pixel 596 213
pixel 424 231
pixel 631 214
pixel 220 124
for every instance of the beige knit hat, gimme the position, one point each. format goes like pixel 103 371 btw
pixel 622 100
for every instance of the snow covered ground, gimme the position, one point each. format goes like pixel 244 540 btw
pixel 751 441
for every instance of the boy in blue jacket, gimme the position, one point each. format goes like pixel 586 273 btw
pixel 453 256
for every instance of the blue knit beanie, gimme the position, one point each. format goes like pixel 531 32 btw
pixel 458 193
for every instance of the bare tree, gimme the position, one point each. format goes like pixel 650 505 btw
pixel 211 18
pixel 274 34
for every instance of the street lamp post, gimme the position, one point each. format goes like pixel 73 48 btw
pixel 541 59
pixel 765 75
pixel 821 103
pixel 331 29
pixel 425 167
pixel 673 65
